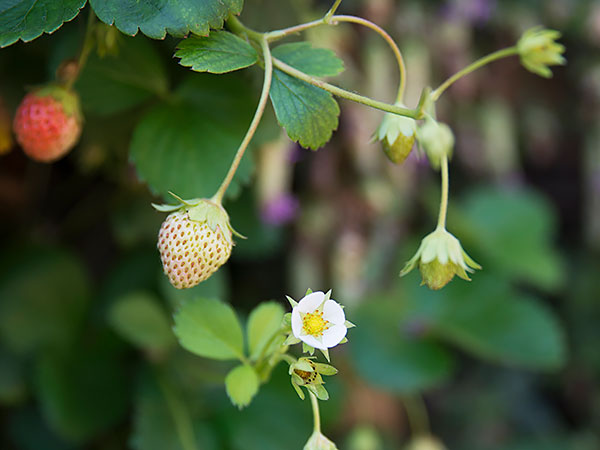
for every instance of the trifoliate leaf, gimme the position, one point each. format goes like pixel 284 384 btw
pixel 209 328
pixel 264 321
pixel 28 19
pixel 219 52
pixel 308 114
pixel 241 385
pixel 156 18
pixel 188 147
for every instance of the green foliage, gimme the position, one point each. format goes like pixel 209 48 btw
pixel 210 328
pixel 156 18
pixel 308 114
pixel 140 320
pixel 513 231
pixel 84 391
pixel 123 80
pixel 492 320
pixel 264 321
pixel 187 147
pixel 394 360
pixel 41 283
pixel 220 52
pixel 28 19
pixel 12 382
pixel 242 385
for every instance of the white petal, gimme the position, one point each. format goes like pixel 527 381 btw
pixel 333 312
pixel 310 302
pixel 313 341
pixel 296 323
pixel 333 335
pixel 429 251
pixel 442 251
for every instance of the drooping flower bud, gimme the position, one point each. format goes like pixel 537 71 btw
pixel 318 441
pixel 439 258
pixel 397 136
pixel 437 140
pixel 538 50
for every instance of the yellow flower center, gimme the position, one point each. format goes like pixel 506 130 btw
pixel 314 324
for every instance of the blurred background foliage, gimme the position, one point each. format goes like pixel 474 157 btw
pixel 509 361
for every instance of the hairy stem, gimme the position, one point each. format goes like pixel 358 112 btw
pixel 316 415
pixel 413 113
pixel 444 196
pixel 86 48
pixel 471 67
pixel 390 42
pixel 262 103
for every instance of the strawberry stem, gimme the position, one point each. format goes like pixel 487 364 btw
pixel 262 103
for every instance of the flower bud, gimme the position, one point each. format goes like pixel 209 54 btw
pixel 319 442
pixel 437 140
pixel 425 443
pixel 397 136
pixel 439 258
pixel 307 373
pixel 538 50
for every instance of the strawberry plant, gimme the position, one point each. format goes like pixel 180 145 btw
pixel 208 128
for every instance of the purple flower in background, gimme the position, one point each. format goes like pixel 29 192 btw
pixel 280 210
pixel 477 12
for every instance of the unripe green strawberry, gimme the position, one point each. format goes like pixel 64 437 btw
pixel 48 123
pixel 397 136
pixel 194 241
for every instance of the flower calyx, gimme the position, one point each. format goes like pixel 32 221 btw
pixel 318 441
pixel 397 135
pixel 538 49
pixel 203 210
pixel 437 140
pixel 440 257
pixel 305 372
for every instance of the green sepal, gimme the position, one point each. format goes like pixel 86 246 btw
pixel 319 390
pixel 325 354
pixel 305 365
pixel 343 341
pixel 327 296
pixel 291 340
pixel 325 369
pixel 298 389
pixel 308 291
pixel 166 208
pixel 293 302
pixel 349 324
pixel 287 320
pixel 307 348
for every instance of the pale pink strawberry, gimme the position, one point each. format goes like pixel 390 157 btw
pixel 190 250
pixel 48 123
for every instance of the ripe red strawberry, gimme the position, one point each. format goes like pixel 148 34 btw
pixel 48 123
pixel 194 242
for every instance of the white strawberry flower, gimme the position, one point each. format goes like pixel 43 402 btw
pixel 319 321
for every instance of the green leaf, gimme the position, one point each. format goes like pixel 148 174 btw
pixel 241 385
pixel 219 52
pixel 264 321
pixel 308 114
pixel 139 319
pixel 188 148
pixel 84 392
pixel 488 318
pixel 393 360
pixel 12 381
pixel 209 328
pixel 28 19
pixel 121 81
pixel 318 62
pixel 156 18
pixel 43 298
pixel 513 231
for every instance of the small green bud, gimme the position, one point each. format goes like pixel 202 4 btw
pixel 307 373
pixel 319 442
pixel 538 50
pixel 437 140
pixel 439 258
pixel 397 136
